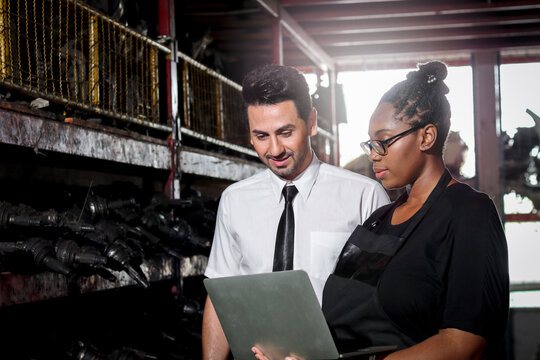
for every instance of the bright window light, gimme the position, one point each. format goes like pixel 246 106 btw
pixel 364 89
pixel 524 299
pixel 516 204
pixel 523 249
pixel 518 93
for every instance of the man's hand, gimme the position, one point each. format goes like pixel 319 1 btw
pixel 214 342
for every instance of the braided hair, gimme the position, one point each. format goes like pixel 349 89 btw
pixel 421 100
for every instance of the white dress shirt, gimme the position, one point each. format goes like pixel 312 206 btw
pixel 330 204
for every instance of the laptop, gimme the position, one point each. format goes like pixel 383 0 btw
pixel 277 312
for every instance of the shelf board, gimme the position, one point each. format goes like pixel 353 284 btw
pixel 39 133
pixel 205 163
pixel 80 138
pixel 27 288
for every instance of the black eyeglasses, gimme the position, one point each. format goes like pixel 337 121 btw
pixel 381 146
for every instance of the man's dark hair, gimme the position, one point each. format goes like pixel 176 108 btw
pixel 272 84
pixel 421 99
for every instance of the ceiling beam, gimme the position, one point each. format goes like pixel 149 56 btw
pixel 304 42
pixel 423 36
pixel 360 49
pixel 330 2
pixel 348 54
pixel 404 61
pixel 403 10
pixel 416 23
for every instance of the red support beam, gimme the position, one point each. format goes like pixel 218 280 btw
pixel 167 28
pixel 486 95
pixel 277 42
pixel 522 218
pixel 302 40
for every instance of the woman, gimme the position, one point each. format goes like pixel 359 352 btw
pixel 429 272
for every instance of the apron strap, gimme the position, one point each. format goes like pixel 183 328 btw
pixel 432 198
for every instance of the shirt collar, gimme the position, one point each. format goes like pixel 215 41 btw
pixel 303 182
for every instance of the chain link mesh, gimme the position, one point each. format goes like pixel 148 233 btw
pixel 65 52
pixel 212 106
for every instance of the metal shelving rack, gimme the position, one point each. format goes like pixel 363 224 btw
pixel 44 131
pixel 34 130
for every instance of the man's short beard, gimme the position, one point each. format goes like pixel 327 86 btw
pixel 288 173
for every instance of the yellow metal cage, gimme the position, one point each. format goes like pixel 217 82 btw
pixel 68 53
pixel 212 104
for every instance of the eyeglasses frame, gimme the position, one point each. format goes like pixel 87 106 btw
pixel 385 144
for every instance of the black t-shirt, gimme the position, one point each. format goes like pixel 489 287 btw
pixel 452 272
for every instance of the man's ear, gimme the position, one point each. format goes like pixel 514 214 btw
pixel 429 136
pixel 312 122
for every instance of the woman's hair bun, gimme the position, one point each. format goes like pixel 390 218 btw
pixel 432 71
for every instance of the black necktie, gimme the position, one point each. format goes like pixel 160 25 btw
pixel 284 252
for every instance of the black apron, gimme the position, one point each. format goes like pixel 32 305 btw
pixel 350 299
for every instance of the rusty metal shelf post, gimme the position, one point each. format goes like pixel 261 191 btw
pixel 167 30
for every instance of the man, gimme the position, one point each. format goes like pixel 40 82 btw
pixel 327 202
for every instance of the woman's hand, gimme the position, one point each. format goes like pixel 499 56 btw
pixel 260 356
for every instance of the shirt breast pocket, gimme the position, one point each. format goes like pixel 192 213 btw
pixel 325 249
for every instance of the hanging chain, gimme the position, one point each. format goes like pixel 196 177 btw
pixel 10 40
pixel 67 50
pixel 27 45
pixel 43 46
pixel 109 60
pixel 35 47
pixel 52 48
